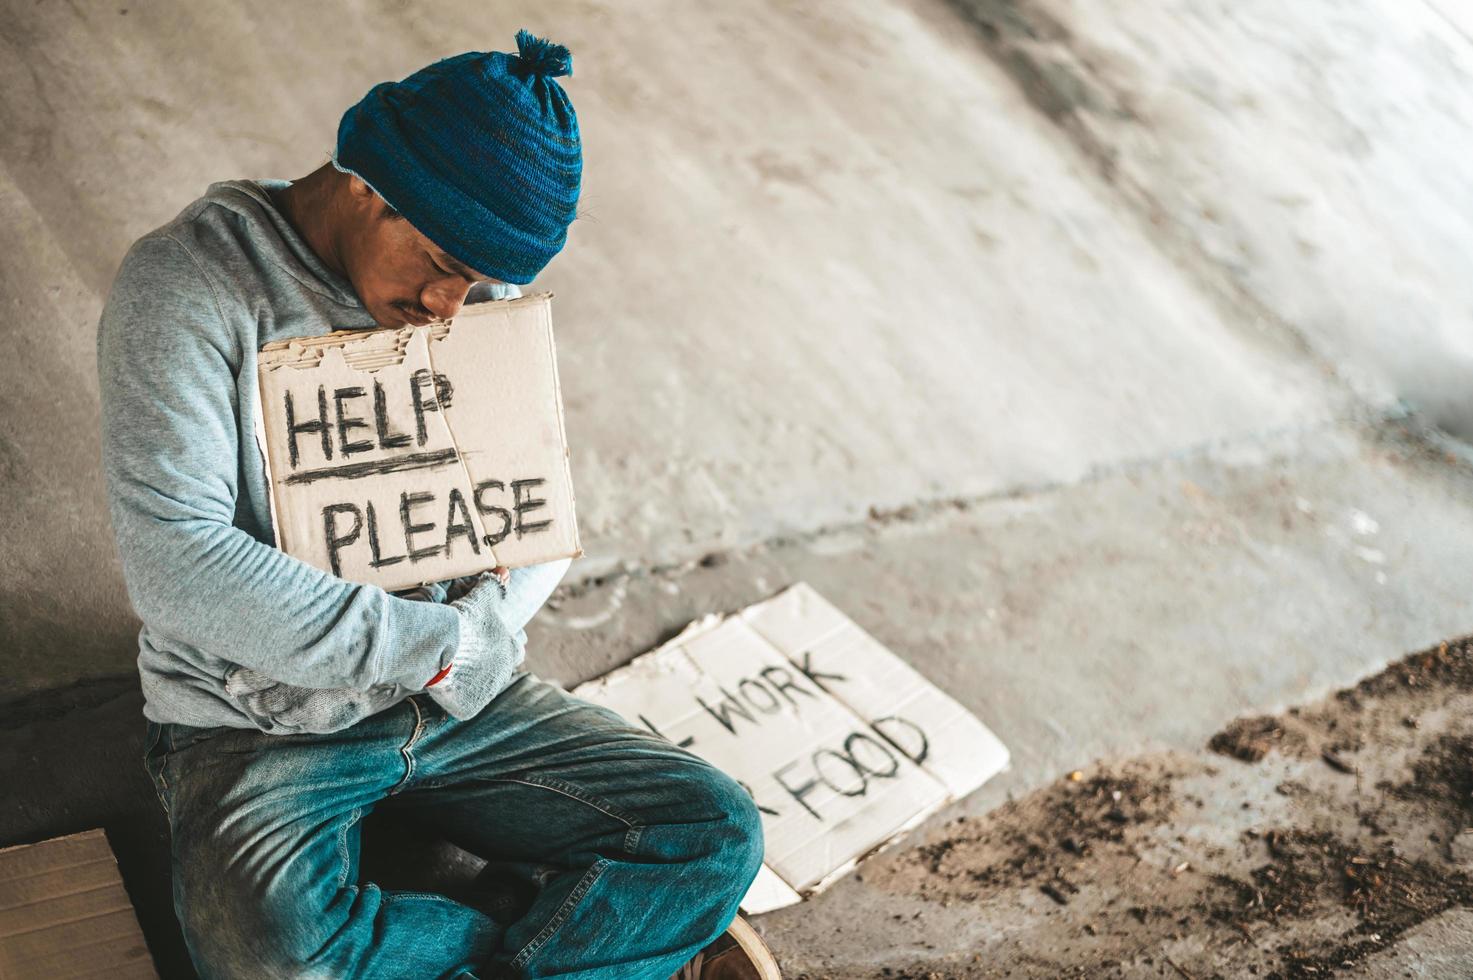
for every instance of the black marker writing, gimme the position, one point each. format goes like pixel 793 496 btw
pixel 817 676
pixel 376 558
pixel 376 467
pixel 386 440
pixel 459 525
pixel 725 709
pixel 317 425
pixel 853 768
pixel 523 504
pixel 493 538
pixel 346 422
pixel 438 399
pixel 407 503
pixel 335 541
pixel 419 530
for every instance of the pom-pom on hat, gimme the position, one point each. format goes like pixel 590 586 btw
pixel 480 152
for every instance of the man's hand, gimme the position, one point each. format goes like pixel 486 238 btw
pixel 487 656
pixel 288 708
pixel 450 589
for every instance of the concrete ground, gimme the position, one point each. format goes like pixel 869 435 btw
pixel 1101 360
pixel 1331 839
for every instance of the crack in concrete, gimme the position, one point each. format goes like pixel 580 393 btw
pixel 1395 421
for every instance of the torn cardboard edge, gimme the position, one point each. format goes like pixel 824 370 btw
pixel 478 465
pixel 844 747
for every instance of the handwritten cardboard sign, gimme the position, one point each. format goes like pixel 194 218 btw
pixel 418 454
pixel 842 744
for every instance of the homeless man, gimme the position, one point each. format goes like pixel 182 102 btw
pixel 283 703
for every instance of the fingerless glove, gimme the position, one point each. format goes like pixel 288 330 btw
pixel 486 658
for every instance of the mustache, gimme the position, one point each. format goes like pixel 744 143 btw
pixel 411 308
pixel 413 312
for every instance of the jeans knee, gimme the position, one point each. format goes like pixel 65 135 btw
pixel 738 842
pixel 261 932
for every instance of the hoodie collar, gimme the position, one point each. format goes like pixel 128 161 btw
pixel 251 199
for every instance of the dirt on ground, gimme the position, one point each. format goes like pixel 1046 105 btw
pixel 1298 845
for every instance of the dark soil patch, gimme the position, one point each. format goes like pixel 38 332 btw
pixel 1342 843
pixel 1313 873
pixel 1248 739
pixel 1449 665
pixel 1078 816
pixel 1309 873
pixel 1295 882
pixel 1443 780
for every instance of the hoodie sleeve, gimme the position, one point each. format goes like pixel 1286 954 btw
pixel 168 363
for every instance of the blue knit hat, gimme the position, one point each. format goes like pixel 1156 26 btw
pixel 480 152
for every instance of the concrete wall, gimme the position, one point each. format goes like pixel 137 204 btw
pixel 830 260
pixel 1063 345
pixel 1314 154
pixel 835 261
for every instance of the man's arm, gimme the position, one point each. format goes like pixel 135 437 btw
pixel 167 364
pixel 294 708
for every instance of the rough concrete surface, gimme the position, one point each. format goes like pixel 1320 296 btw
pixel 1063 632
pixel 798 290
pixel 1093 357
pixel 1318 853
pixel 1440 947
pixel 1313 153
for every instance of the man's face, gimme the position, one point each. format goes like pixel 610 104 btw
pixel 401 276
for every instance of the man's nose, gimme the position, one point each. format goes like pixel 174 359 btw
pixel 444 299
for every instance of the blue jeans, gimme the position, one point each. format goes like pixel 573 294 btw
pixel 642 850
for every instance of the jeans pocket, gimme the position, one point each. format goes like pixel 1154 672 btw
pixel 155 760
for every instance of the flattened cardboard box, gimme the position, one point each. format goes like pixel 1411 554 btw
pixel 842 744
pixel 64 913
pixel 419 454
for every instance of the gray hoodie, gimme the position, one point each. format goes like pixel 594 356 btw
pixel 224 612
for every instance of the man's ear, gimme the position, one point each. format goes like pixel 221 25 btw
pixel 358 187
pixel 367 201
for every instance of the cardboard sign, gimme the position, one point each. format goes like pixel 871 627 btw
pixel 419 454
pixel 842 744
pixel 64 913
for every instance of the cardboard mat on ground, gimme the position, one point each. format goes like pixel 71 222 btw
pixel 842 744
pixel 419 454
pixel 64 913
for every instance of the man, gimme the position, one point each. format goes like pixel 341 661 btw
pixel 283 703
